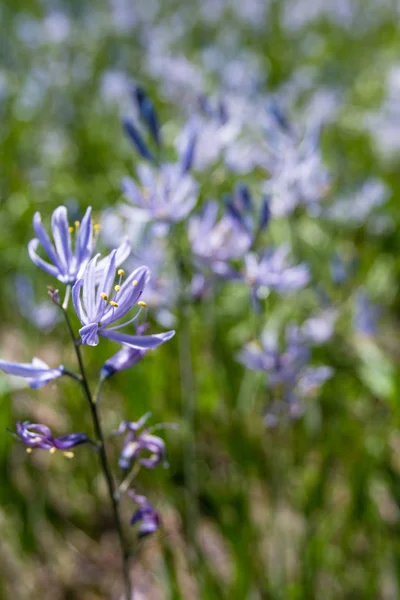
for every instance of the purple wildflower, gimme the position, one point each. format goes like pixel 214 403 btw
pixel 242 208
pixel 36 435
pixel 37 373
pixel 146 515
pixel 168 193
pixel 101 303
pixel 65 264
pixel 274 271
pixel 288 375
pixel 366 314
pixel 139 441
pixel 215 241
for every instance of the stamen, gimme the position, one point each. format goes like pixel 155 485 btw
pixel 134 282
pixel 96 227
pixel 142 303
pixel 114 304
pixel 29 450
pixel 121 272
pixel 53 450
pixel 69 454
pixel 104 296
pixel 117 288
pixel 77 224
pixel 71 229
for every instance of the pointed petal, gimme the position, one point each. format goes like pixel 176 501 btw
pixel 89 334
pixel 105 285
pixel 146 342
pixel 70 441
pixel 76 300
pixel 39 262
pixel 62 236
pixel 127 296
pixel 45 240
pixel 84 241
pixel 89 289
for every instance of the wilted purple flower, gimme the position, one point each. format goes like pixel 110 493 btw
pixel 66 264
pixel 215 241
pixel 274 271
pixel 37 373
pixel 139 441
pixel 146 515
pixel 165 194
pixel 36 435
pixel 101 303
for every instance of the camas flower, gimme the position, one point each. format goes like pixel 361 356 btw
pixel 36 373
pixel 99 302
pixel 36 435
pixel 139 441
pixel 146 515
pixel 167 193
pixel 289 376
pixel 216 241
pixel 65 264
pixel 274 271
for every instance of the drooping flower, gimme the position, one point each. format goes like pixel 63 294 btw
pixel 37 373
pixel 36 435
pixel 214 241
pixel 146 515
pixel 140 444
pixel 99 302
pixel 274 271
pixel 67 264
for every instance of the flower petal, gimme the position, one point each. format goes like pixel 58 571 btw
pixel 45 240
pixel 89 334
pixel 62 236
pixel 84 241
pixel 145 342
pixel 76 300
pixel 39 262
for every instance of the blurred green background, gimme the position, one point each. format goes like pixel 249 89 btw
pixel 307 510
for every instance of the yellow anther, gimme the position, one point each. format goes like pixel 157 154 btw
pixel 53 450
pixel 29 450
pixel 134 282
pixel 77 223
pixel 117 288
pixel 96 227
pixel 69 454
pixel 70 229
pixel 104 296
pixel 121 272
pixel 114 304
pixel 142 303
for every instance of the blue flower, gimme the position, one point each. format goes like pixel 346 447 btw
pixel 36 435
pixel 37 373
pixel 66 264
pixel 168 193
pixel 146 515
pixel 100 301
pixel 274 271
pixel 242 208
pixel 139 441
pixel 215 241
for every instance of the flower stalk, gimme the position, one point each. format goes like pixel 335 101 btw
pixel 104 463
